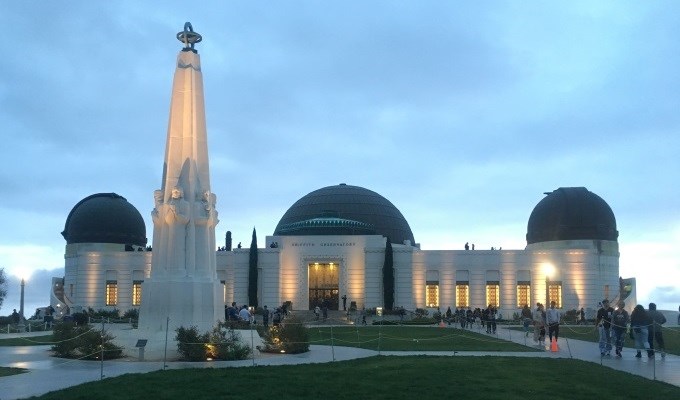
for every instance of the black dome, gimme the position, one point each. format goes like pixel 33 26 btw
pixel 105 218
pixel 571 213
pixel 345 210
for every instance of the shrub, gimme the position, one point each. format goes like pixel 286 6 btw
pixel 219 344
pixel 289 337
pixel 101 313
pixel 79 318
pixel 132 313
pixel 73 341
pixel 571 316
pixel 225 344
pixel 421 312
pixel 190 344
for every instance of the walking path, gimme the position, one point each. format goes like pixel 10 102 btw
pixel 48 373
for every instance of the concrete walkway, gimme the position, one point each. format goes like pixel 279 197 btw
pixel 47 373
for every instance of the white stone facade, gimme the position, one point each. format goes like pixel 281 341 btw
pixel 585 274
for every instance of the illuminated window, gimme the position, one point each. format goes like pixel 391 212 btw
pixel 523 294
pixel 493 294
pixel 432 294
pixel 606 291
pixel 224 291
pixel 136 293
pixel 462 294
pixel 111 293
pixel 555 294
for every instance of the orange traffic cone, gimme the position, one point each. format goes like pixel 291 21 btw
pixel 553 346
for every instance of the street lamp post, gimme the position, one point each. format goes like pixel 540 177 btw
pixel 21 301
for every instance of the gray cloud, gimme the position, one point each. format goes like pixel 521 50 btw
pixel 461 115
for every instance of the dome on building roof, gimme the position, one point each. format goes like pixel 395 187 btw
pixel 345 210
pixel 571 213
pixel 105 218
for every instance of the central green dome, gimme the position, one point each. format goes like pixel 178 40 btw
pixel 345 210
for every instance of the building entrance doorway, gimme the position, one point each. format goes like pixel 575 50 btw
pixel 323 285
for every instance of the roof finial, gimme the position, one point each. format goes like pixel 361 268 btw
pixel 189 37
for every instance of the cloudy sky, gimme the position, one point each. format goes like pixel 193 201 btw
pixel 461 114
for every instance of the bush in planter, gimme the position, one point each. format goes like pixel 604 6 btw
pixel 289 337
pixel 190 344
pixel 222 343
pixel 73 341
pixel 225 344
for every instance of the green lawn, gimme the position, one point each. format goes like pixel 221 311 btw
pixel 28 341
pixel 7 371
pixel 402 338
pixel 589 333
pixel 381 377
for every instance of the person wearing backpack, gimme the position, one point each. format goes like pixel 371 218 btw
pixel 658 319
pixel 619 324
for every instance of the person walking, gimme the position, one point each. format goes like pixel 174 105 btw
pixel 619 324
pixel 539 325
pixel 552 318
pixel 265 317
pixel 526 319
pixel 658 319
pixel 639 323
pixel 603 323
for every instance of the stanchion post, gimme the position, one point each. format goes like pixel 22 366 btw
pixel 568 347
pixel 332 344
pixel 165 354
pixel 252 343
pixel 101 369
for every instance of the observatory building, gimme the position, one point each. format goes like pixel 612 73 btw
pixel 332 242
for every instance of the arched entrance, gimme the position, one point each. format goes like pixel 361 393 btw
pixel 323 285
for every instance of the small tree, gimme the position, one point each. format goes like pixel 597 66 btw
pixel 388 277
pixel 191 344
pixel 85 342
pixel 252 272
pixel 3 286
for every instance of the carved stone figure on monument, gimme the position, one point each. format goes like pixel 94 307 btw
pixel 177 217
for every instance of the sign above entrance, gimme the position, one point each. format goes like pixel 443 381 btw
pixel 323 244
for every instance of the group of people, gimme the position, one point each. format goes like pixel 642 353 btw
pixel 484 318
pixel 645 328
pixel 541 319
pixel 243 313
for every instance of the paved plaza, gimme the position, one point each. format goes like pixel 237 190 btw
pixel 48 373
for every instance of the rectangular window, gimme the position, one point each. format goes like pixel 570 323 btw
pixel 523 294
pixel 493 294
pixel 606 291
pixel 432 294
pixel 555 294
pixel 462 294
pixel 136 293
pixel 111 293
pixel 224 291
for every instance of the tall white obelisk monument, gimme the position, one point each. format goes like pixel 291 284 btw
pixel 183 285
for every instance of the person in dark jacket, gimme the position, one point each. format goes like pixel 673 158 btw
pixel 619 324
pixel 640 323
pixel 658 319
